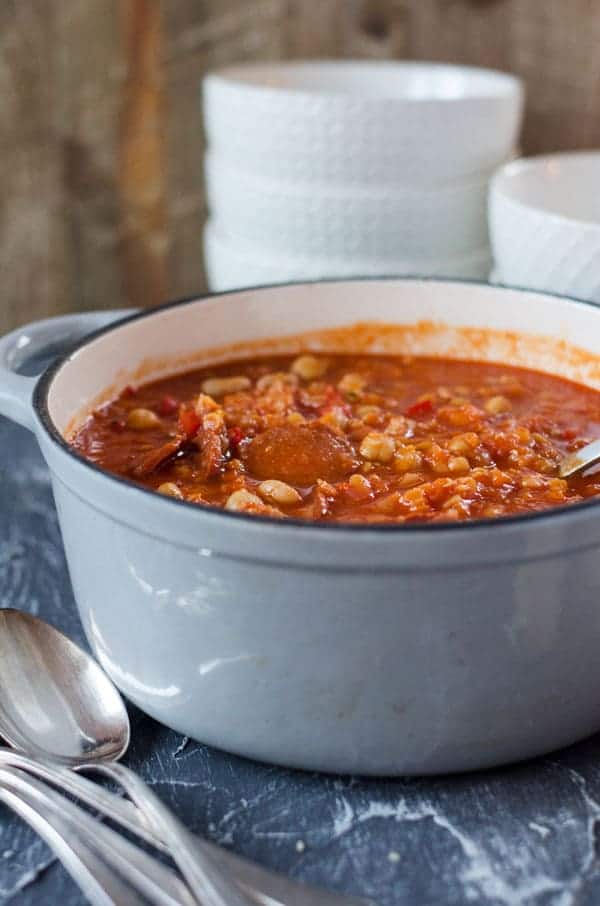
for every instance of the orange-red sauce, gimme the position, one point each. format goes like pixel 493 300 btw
pixel 352 438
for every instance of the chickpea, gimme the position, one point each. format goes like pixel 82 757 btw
pixel 497 404
pixel 283 378
pixel 398 425
pixel 279 492
pixel 455 503
pixel 410 479
pixel 170 489
pixel 352 385
pixel 458 465
pixel 438 459
pixel 557 489
pixel 416 497
pixel 407 459
pixel 377 447
pixel 309 367
pixel 243 500
pixel 221 386
pixel 532 481
pixel 466 487
pixel 336 419
pixel 143 419
pixel 359 486
pixel 463 444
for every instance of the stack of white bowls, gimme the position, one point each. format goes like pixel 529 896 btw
pixel 339 169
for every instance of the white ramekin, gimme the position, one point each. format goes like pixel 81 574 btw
pixel 402 650
pixel 545 223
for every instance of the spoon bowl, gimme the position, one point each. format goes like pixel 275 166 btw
pixel 55 701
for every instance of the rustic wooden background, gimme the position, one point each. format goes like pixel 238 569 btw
pixel 101 198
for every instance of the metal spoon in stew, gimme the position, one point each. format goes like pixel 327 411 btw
pixel 579 461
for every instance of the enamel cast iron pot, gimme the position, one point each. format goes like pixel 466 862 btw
pixel 390 650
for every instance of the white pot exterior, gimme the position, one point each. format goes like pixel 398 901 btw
pixel 375 651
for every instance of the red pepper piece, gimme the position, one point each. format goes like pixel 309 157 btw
pixel 189 421
pixel 423 407
pixel 168 405
pixel 236 436
pixel 333 395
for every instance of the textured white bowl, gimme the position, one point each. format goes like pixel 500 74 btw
pixel 232 263
pixel 545 224
pixel 367 121
pixel 311 219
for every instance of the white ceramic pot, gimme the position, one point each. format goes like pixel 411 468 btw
pixel 545 223
pixel 362 121
pixel 403 650
pixel 332 220
pixel 232 262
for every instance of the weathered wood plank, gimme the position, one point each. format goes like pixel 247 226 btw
pixel 33 270
pixel 142 149
pixel 88 53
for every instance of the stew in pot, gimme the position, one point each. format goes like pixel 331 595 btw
pixel 351 438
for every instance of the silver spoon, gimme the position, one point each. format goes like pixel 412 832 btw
pixel 580 460
pixel 56 702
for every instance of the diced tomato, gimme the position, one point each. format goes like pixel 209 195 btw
pixel 333 395
pixel 236 436
pixel 334 400
pixel 569 434
pixel 189 421
pixel 423 407
pixel 128 391
pixel 168 405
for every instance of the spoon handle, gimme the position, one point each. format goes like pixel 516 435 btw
pixel 107 874
pixel 207 881
pixel 268 888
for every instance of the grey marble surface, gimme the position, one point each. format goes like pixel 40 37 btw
pixel 525 835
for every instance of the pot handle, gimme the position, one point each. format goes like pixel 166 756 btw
pixel 51 336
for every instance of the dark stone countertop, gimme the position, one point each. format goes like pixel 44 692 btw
pixel 514 837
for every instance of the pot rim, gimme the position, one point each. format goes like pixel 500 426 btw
pixel 41 410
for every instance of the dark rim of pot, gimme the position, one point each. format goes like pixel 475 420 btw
pixel 44 383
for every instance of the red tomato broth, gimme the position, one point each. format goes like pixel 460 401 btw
pixel 352 438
